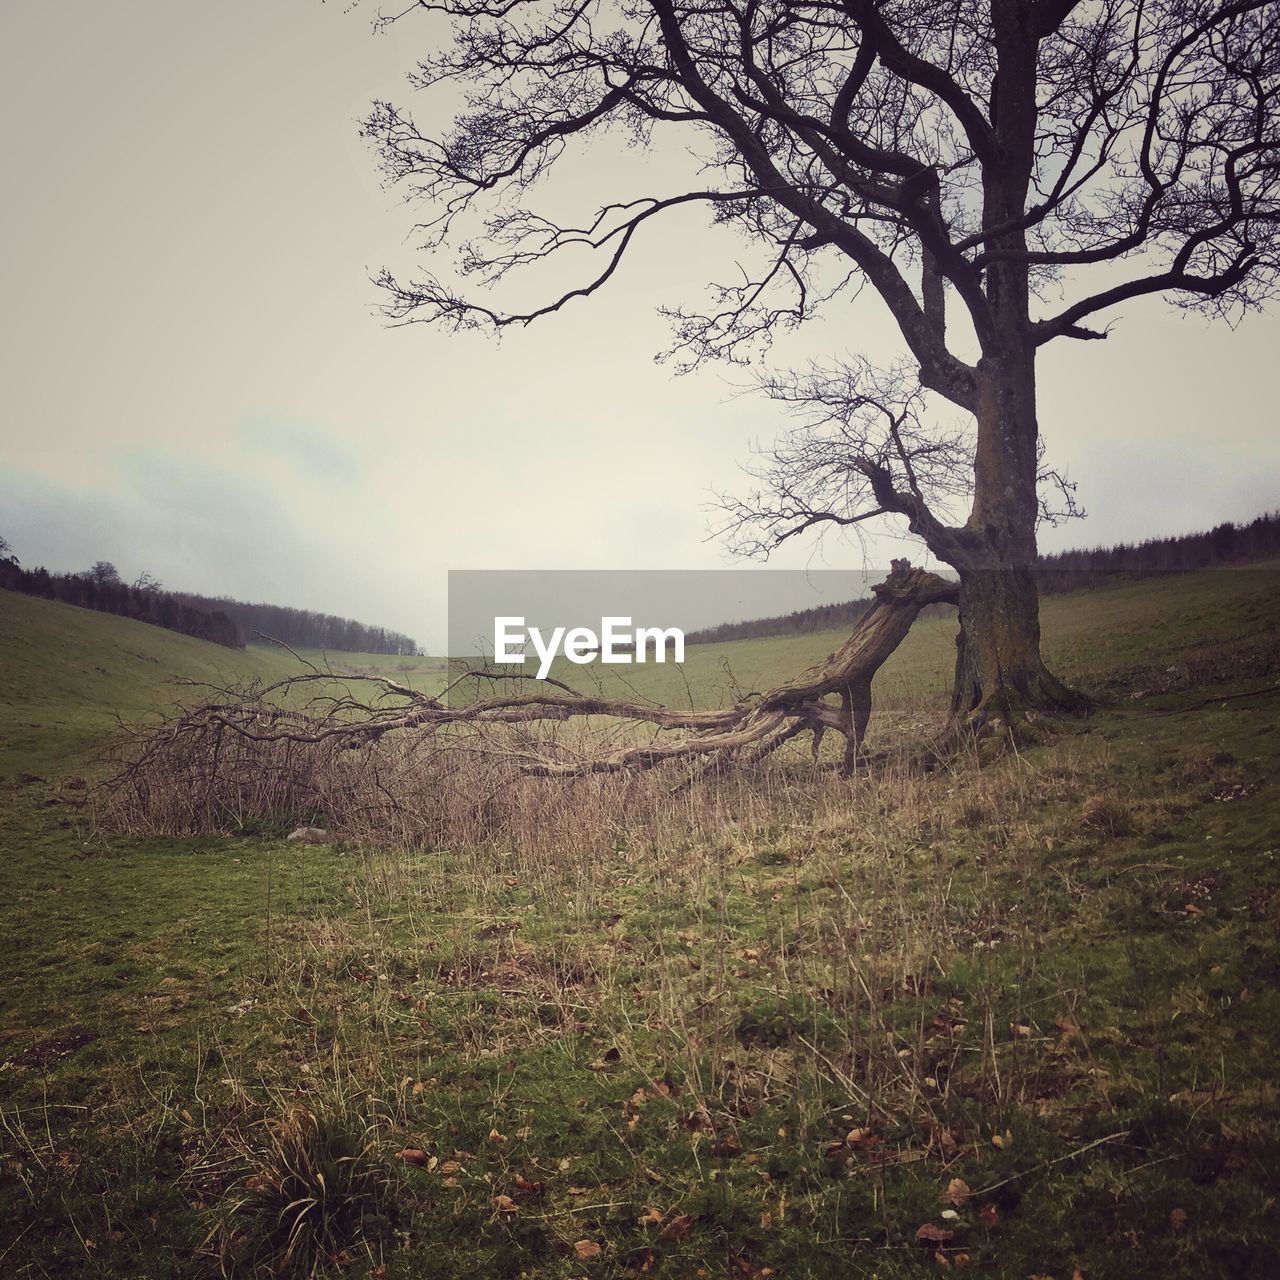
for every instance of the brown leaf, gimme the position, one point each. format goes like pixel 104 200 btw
pixel 586 1249
pixel 650 1218
pixel 450 1167
pixel 504 1204
pixel 1019 1030
pixel 957 1193
pixel 679 1227
pixel 1066 1028
pixel 413 1155
pixel 495 1136
pixel 728 1146
pixel 946 1141
pixel 930 1233
pixel 989 1216
pixel 1178 1220
pixel 858 1137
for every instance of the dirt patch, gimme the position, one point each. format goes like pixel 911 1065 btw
pixel 45 1052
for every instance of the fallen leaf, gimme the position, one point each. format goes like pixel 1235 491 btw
pixel 679 1227
pixel 1066 1028
pixel 989 1216
pixel 413 1155
pixel 504 1204
pixel 1178 1219
pixel 1019 1030
pixel 1002 1140
pixel 650 1218
pixel 728 1146
pixel 495 1136
pixel 586 1249
pixel 858 1137
pixel 931 1233
pixel 450 1167
pixel 957 1193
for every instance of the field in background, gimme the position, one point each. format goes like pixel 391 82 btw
pixel 66 674
pixel 1020 1019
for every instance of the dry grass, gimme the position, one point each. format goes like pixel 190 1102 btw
pixel 1110 814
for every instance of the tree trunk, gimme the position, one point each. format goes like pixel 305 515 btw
pixel 1000 676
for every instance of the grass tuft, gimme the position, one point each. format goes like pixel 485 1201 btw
pixel 319 1190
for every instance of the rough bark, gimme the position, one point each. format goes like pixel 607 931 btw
pixel 1000 674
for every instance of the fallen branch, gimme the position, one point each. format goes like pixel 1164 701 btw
pixel 747 731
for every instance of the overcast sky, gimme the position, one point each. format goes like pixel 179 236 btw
pixel 196 381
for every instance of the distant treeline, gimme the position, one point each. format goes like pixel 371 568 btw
pixel 226 622
pixel 106 593
pixel 1056 574
pixel 1227 544
pixel 303 629
pixel 822 617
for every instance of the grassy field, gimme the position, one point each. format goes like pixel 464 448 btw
pixel 1020 1019
pixel 67 675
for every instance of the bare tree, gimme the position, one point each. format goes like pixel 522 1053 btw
pixel 103 574
pixel 971 160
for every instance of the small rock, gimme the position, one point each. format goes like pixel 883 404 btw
pixel 308 835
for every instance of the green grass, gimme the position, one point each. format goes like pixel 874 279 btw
pixel 67 674
pixel 1070 1005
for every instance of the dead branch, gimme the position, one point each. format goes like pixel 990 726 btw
pixel 315 716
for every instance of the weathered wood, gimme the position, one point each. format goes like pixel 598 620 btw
pixel 754 726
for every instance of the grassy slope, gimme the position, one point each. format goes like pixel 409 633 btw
pixel 944 961
pixel 65 674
